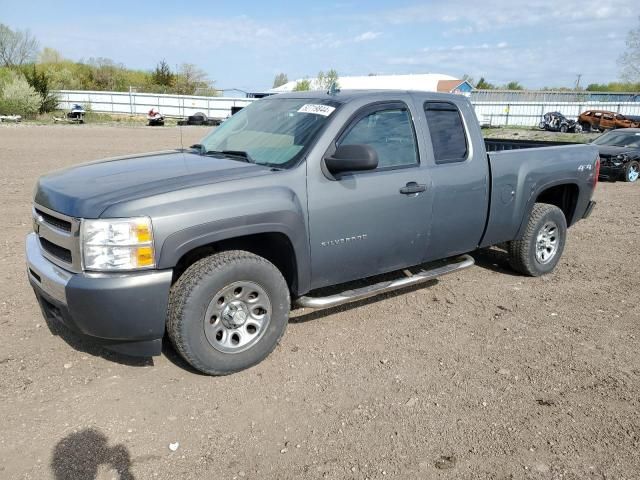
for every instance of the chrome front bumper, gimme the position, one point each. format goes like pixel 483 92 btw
pixel 51 279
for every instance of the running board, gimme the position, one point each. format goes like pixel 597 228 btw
pixel 455 264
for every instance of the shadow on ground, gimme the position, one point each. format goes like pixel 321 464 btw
pixel 77 342
pixel 80 454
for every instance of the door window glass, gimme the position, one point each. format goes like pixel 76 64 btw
pixel 448 135
pixel 390 133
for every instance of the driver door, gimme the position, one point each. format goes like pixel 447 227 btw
pixel 365 223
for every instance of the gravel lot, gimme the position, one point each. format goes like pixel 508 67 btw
pixel 485 374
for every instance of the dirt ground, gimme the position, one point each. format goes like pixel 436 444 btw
pixel 484 374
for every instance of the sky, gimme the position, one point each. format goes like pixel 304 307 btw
pixel 244 44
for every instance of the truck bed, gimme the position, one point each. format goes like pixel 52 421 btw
pixel 517 175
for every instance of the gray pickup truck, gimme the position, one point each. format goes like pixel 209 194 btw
pixel 296 192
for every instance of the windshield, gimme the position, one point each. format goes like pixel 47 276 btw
pixel 619 139
pixel 272 131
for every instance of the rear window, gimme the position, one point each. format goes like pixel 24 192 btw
pixel 448 135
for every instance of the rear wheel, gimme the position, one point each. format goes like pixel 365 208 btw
pixel 228 311
pixel 540 248
pixel 564 129
pixel 632 171
pixel 586 127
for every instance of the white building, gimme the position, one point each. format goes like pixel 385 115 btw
pixel 429 82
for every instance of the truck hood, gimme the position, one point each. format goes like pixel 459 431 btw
pixel 86 190
pixel 612 151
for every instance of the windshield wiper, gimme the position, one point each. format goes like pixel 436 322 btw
pixel 232 153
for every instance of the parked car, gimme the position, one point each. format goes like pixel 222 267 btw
pixel 297 192
pixel 619 154
pixel 557 122
pixel 605 120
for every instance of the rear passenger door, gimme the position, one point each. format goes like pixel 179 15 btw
pixel 459 176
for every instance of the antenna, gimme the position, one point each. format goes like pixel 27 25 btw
pixel 333 88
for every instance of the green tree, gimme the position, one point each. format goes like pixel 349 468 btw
pixel 17 97
pixel 162 75
pixel 513 85
pixel 280 79
pixel 629 61
pixel 39 81
pixel 302 86
pixel 484 85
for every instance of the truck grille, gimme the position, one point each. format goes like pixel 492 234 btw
pixel 54 221
pixel 56 250
pixel 59 237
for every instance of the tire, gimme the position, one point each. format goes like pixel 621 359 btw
pixel 524 255
pixel 631 171
pixel 563 129
pixel 212 297
pixel 542 126
pixel 586 127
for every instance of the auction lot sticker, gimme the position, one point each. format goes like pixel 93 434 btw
pixel 324 110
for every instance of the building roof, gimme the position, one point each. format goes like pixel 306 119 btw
pixel 429 82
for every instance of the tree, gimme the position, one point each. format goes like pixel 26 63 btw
pixel 280 79
pixel 162 75
pixel 39 81
pixel 302 86
pixel 325 80
pixel 513 85
pixel 484 85
pixel 17 48
pixel 50 55
pixel 189 78
pixel 629 61
pixel 17 97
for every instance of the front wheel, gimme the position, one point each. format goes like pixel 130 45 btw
pixel 540 248
pixel 631 171
pixel 228 311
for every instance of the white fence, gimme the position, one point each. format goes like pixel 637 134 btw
pixel 528 114
pixel 489 113
pixel 140 103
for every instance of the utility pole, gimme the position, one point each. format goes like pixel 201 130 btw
pixel 578 81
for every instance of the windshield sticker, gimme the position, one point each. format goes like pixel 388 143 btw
pixel 324 110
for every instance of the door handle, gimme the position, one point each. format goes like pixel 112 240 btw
pixel 412 187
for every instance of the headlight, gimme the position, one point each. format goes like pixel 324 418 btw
pixel 117 244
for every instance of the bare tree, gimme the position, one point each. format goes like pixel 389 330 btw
pixel 189 78
pixel 17 48
pixel 629 61
pixel 280 79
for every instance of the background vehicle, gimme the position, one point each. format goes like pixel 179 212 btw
pixel 557 122
pixel 605 120
pixel 294 193
pixel 619 154
pixel 155 118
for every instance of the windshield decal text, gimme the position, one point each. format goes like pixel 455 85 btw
pixel 324 110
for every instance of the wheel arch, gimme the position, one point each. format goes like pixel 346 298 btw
pixel 562 194
pixel 281 245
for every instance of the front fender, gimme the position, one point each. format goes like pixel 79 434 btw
pixel 237 214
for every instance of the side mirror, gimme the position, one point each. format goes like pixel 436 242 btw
pixel 352 158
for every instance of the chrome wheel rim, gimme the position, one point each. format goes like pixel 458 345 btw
pixel 237 317
pixel 547 242
pixel 634 173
